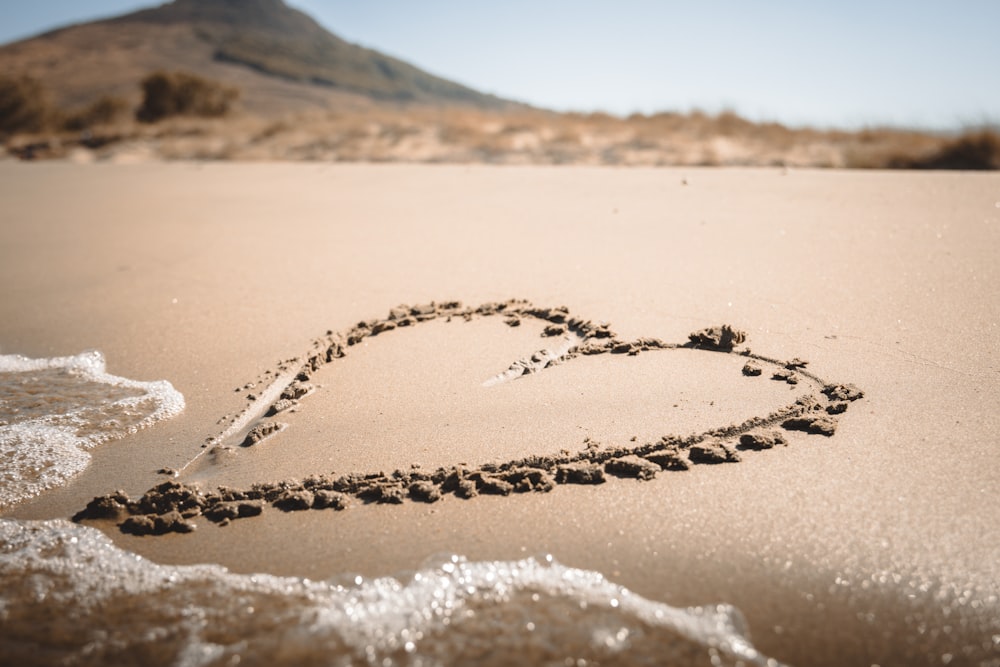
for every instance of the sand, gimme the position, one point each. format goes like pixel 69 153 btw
pixel 865 535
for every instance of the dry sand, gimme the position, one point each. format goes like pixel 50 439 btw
pixel 876 545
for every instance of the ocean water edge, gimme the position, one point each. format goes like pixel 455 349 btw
pixel 70 596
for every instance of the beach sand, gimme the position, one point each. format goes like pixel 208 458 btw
pixel 876 545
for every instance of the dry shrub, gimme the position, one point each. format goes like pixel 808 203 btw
pixel 567 136
pixel 24 106
pixel 976 150
pixel 884 147
pixel 460 131
pixel 167 94
pixel 728 123
pixel 103 111
pixel 466 134
pixel 395 132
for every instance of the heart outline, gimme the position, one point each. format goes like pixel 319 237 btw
pixel 168 507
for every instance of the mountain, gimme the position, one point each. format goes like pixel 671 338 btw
pixel 280 58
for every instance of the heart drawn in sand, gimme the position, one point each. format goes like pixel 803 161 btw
pixel 171 506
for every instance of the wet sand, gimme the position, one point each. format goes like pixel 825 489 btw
pixel 838 548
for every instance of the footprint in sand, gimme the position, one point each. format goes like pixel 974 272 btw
pixel 499 417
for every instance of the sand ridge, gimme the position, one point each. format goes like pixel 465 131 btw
pixel 171 506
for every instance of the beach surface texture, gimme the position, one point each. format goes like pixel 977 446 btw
pixel 425 414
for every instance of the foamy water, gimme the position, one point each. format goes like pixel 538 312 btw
pixel 68 595
pixel 53 410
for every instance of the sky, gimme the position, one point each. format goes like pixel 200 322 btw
pixel 828 63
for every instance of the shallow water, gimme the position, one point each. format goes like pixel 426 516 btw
pixel 117 608
pixel 53 410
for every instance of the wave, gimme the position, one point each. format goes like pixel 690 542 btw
pixel 68 595
pixel 53 410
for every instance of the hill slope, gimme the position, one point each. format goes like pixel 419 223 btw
pixel 281 59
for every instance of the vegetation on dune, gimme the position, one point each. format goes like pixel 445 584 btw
pixel 168 94
pixel 178 113
pixel 25 108
pixel 105 110
pixel 974 150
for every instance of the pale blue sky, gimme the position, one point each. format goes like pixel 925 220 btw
pixel 931 63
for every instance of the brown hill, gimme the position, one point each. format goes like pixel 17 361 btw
pixel 280 58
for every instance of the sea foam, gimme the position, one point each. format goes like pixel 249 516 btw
pixel 53 410
pixel 68 595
